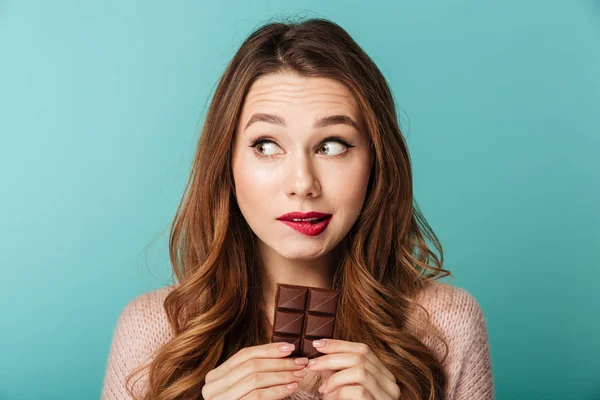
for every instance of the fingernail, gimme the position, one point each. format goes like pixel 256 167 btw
pixel 300 373
pixel 322 388
pixel 292 385
pixel 286 347
pixel 319 343
pixel 312 362
pixel 301 361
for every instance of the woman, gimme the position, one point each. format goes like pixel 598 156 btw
pixel 301 121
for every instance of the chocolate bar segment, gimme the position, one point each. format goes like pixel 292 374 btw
pixel 323 301
pixel 303 314
pixel 292 298
pixel 316 325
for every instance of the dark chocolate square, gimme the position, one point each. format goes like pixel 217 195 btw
pixel 303 314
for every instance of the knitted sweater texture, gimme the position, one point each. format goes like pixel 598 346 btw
pixel 142 327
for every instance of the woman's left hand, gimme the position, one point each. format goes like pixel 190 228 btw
pixel 360 373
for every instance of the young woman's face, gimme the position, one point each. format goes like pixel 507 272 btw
pixel 300 168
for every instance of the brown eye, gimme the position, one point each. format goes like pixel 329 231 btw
pixel 329 148
pixel 262 144
pixel 333 144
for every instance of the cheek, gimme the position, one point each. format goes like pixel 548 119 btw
pixel 348 186
pixel 254 185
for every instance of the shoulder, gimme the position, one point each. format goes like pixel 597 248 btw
pixel 148 301
pixel 453 308
pixel 457 317
pixel 142 328
pixel 144 317
pixel 454 312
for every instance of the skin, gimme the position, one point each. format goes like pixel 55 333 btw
pixel 262 372
pixel 305 173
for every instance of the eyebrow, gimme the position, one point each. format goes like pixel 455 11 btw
pixel 320 123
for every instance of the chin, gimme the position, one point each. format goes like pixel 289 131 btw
pixel 301 254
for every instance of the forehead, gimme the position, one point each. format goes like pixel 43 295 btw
pixel 286 90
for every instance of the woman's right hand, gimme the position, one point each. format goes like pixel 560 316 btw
pixel 257 372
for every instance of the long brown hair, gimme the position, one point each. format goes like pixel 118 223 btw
pixel 215 309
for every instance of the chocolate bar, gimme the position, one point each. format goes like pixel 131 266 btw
pixel 303 314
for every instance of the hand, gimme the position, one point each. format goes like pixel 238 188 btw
pixel 257 372
pixel 361 374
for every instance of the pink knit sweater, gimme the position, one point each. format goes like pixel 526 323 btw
pixel 142 327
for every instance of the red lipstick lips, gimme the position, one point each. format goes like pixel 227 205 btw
pixel 301 215
pixel 311 223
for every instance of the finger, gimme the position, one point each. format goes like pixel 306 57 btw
pixel 343 346
pixel 355 392
pixel 255 381
pixel 361 376
pixel 346 361
pixel 324 376
pixel 269 350
pixel 342 361
pixel 272 393
pixel 256 365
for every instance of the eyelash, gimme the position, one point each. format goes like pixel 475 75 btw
pixel 263 139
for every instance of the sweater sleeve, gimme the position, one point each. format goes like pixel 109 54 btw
pixel 138 333
pixel 473 372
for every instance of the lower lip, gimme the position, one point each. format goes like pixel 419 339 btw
pixel 308 228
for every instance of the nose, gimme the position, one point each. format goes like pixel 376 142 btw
pixel 301 179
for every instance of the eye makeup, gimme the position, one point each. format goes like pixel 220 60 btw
pixel 255 141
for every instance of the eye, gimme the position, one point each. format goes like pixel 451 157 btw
pixel 333 144
pixel 262 144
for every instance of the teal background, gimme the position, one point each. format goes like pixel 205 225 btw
pixel 101 105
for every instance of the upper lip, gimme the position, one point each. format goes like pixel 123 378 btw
pixel 301 215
